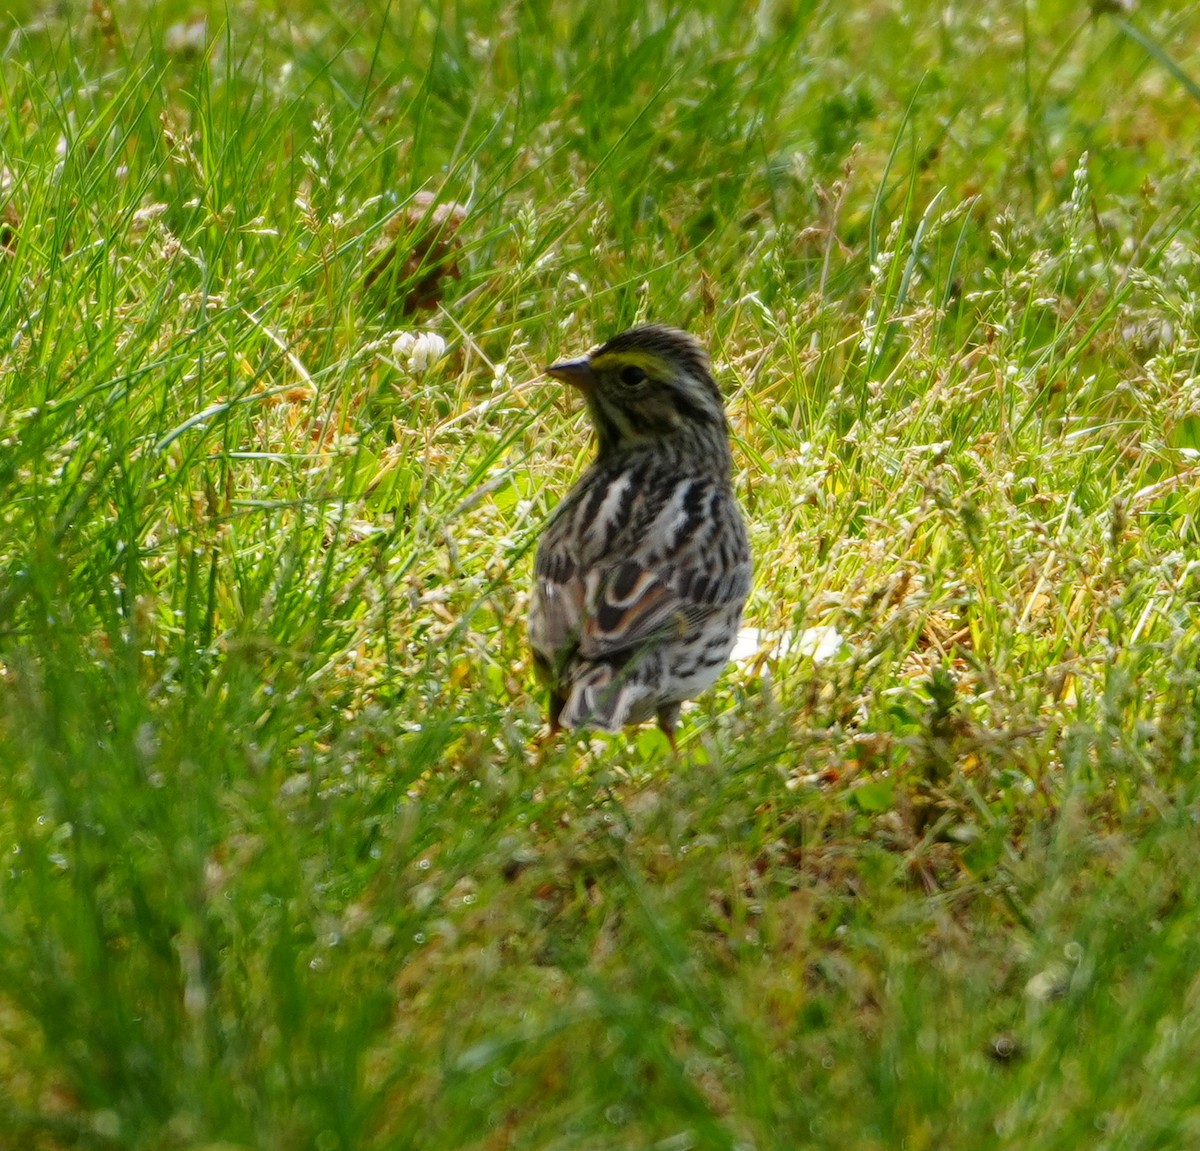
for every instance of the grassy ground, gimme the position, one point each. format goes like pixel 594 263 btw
pixel 282 869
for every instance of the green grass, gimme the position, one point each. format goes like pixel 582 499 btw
pixel 283 868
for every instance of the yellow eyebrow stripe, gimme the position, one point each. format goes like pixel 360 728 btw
pixel 647 361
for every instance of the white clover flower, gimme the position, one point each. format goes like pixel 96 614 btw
pixel 418 352
pixel 427 349
pixel 820 644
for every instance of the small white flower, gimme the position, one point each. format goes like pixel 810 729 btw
pixel 402 346
pixel 186 38
pixel 426 350
pixel 820 644
pixel 749 643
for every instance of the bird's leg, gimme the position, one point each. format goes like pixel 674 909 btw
pixel 668 717
pixel 557 702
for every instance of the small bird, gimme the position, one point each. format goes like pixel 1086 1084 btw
pixel 644 568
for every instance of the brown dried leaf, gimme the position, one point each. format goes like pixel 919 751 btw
pixel 419 253
pixel 10 219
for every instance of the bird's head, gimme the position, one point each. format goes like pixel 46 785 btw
pixel 649 384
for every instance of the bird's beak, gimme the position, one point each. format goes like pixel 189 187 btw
pixel 578 373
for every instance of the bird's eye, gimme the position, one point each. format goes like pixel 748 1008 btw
pixel 632 376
